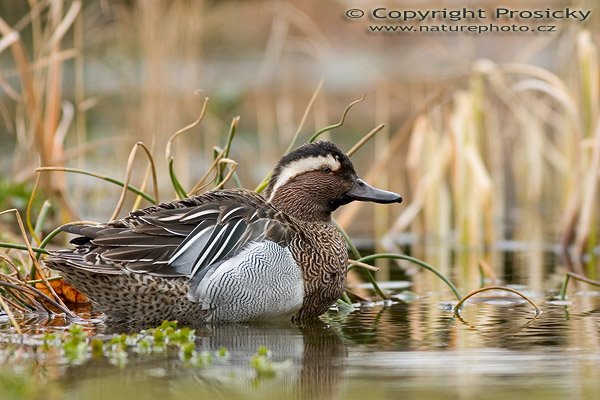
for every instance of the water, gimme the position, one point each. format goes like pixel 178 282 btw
pixel 496 349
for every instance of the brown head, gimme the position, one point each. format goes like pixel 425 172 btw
pixel 312 181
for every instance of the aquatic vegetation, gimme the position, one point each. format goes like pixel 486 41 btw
pixel 77 345
pixel 262 364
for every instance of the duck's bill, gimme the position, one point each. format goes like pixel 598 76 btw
pixel 361 191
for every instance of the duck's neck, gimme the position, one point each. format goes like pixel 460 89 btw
pixel 301 208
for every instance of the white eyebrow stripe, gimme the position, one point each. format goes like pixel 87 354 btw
pixel 303 165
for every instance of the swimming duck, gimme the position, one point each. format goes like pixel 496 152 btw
pixel 226 255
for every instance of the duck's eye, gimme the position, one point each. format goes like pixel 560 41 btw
pixel 326 170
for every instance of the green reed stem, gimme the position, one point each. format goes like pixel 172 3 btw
pixel 237 180
pixel 41 219
pixel 232 130
pixel 22 247
pixel 346 299
pixel 376 287
pixel 45 242
pixel 563 290
pixel 481 276
pixel 356 254
pixel 264 183
pixel 568 275
pixel 227 149
pixel 330 127
pixel 217 154
pixel 304 116
pixel 177 187
pixel 131 188
pixel 414 260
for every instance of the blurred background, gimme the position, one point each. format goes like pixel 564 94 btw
pixel 492 139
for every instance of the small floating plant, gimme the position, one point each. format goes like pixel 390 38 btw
pixel 77 345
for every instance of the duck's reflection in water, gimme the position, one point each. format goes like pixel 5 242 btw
pixel 323 362
pixel 312 356
pixel 315 350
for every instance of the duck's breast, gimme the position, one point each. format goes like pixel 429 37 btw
pixel 262 282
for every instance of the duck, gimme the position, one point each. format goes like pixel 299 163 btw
pixel 229 255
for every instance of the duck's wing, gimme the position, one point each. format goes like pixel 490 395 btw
pixel 182 238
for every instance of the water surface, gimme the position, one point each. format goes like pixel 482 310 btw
pixel 497 349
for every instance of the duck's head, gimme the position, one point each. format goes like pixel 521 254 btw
pixel 312 181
